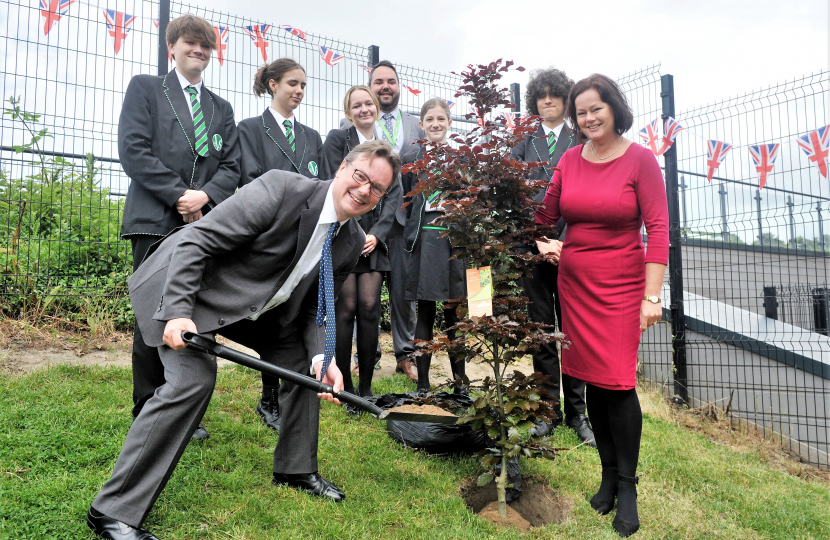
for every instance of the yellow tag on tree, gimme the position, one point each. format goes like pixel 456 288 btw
pixel 479 292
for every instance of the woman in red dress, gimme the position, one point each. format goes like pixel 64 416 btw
pixel 605 190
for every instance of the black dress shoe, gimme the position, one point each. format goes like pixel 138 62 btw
pixel 268 408
pixel 201 434
pixel 579 423
pixel 311 483
pixel 112 529
pixel 543 429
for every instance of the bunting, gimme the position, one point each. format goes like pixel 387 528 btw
pixel 258 33
pixel 510 119
pixel 52 11
pixel 222 36
pixel 815 145
pixel 329 56
pixel 716 153
pixel 474 111
pixel 413 90
pixel 367 69
pixel 119 25
pixel 764 156
pixel 650 135
pixel 295 31
pixel 671 130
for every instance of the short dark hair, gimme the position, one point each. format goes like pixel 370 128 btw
pixel 383 63
pixel 275 70
pixel 610 94
pixel 377 148
pixel 545 82
pixel 191 25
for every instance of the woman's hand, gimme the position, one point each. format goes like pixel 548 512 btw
pixel 370 245
pixel 552 247
pixel 650 314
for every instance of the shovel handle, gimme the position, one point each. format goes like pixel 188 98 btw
pixel 209 346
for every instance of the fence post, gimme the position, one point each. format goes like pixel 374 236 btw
pixel 820 227
pixel 683 187
pixel 678 317
pixel 516 97
pixel 374 55
pixel 164 18
pixel 790 204
pixel 760 224
pixel 724 221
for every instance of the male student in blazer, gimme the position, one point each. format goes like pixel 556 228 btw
pixel 401 129
pixel 547 92
pixel 178 144
pixel 250 270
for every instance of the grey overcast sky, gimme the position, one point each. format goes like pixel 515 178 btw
pixel 714 48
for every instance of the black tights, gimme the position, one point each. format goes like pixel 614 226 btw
pixel 423 330
pixel 359 298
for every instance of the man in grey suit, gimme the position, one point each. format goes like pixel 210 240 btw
pixel 249 269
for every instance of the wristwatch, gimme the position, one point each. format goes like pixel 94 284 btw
pixel 652 299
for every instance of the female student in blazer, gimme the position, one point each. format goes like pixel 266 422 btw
pixel 359 299
pixel 431 276
pixel 276 140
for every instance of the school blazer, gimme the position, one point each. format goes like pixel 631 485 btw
pixel 378 222
pixel 155 147
pixel 228 265
pixel 265 148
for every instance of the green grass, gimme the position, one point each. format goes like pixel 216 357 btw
pixel 61 430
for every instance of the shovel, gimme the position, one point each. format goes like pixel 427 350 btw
pixel 209 346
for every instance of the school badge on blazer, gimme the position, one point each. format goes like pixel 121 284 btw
pixel 312 168
pixel 217 142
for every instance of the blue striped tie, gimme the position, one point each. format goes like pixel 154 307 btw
pixel 325 299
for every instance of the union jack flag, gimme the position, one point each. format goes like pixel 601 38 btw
pixel 449 103
pixel 413 90
pixel 258 33
pixel 222 36
pixel 815 145
pixel 474 111
pixel 119 25
pixel 52 11
pixel 156 23
pixel 329 56
pixel 510 119
pixel 716 153
pixel 296 31
pixel 367 69
pixel 670 131
pixel 650 134
pixel 764 156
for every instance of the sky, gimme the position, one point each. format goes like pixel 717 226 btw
pixel 714 49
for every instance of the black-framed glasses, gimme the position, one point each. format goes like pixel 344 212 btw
pixel 362 178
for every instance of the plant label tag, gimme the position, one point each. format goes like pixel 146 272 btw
pixel 480 292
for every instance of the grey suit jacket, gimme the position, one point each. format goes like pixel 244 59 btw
pixel 155 146
pixel 228 265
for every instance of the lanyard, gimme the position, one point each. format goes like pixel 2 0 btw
pixel 389 137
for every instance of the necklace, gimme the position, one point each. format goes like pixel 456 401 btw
pixel 609 155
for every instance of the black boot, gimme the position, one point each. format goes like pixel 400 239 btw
pixel 626 522
pixel 603 501
pixel 268 408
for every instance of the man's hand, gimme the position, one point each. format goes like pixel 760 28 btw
pixel 553 247
pixel 173 334
pixel 333 378
pixel 190 218
pixel 191 202
pixel 370 245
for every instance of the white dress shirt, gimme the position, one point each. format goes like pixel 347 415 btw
pixel 557 130
pixel 361 139
pixel 398 146
pixel 280 119
pixel 185 83
pixel 308 260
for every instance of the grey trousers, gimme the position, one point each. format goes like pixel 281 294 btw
pixel 162 430
pixel 402 312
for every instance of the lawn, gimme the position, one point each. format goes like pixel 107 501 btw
pixel 61 429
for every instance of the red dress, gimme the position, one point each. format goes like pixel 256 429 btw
pixel 602 266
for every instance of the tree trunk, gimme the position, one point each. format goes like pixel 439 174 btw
pixel 501 483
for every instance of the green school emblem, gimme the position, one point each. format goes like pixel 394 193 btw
pixel 217 142
pixel 312 168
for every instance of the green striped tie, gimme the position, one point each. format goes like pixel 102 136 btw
pixel 551 143
pixel 289 134
pixel 198 123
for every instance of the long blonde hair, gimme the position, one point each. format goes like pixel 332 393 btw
pixel 348 97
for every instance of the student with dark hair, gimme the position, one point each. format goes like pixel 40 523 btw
pixel 431 276
pixel 547 94
pixel 277 140
pixel 358 305
pixel 178 144
pixel 607 189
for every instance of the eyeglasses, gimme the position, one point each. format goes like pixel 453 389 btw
pixel 362 178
